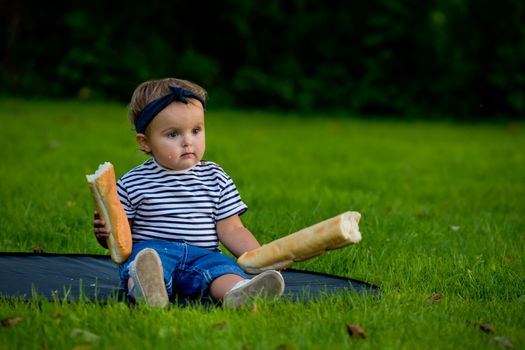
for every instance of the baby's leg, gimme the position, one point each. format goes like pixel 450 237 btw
pixel 219 276
pixel 223 284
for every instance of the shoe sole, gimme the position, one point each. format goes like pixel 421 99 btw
pixel 267 284
pixel 149 273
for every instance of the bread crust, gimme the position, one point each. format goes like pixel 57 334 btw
pixel 333 233
pixel 103 188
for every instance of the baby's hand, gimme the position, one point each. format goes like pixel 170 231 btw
pixel 99 227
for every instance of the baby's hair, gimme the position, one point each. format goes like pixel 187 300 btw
pixel 153 89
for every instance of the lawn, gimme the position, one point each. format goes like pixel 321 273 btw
pixel 443 227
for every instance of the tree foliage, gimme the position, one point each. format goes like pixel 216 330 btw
pixel 460 58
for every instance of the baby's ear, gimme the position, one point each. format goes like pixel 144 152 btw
pixel 143 143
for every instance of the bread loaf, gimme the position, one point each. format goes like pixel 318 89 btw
pixel 334 233
pixel 104 191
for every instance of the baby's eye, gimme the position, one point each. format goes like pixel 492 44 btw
pixel 195 131
pixel 172 134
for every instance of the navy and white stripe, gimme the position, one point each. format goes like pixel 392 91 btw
pixel 179 205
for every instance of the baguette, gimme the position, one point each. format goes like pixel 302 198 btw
pixel 104 191
pixel 334 233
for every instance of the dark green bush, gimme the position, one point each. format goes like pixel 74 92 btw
pixel 459 58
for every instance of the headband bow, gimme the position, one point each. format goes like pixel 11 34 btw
pixel 154 107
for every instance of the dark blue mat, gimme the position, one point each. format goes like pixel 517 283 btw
pixel 95 278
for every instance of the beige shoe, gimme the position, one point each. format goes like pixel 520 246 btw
pixel 148 279
pixel 267 284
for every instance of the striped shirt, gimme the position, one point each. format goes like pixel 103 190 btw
pixel 179 205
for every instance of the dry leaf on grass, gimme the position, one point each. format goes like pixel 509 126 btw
pixel 483 326
pixel 487 328
pixel 504 341
pixel 10 321
pixel 356 331
pixel 435 297
pixel 39 249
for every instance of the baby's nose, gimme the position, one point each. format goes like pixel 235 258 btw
pixel 186 140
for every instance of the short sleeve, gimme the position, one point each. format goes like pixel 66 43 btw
pixel 230 202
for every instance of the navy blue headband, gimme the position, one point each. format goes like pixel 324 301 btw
pixel 154 107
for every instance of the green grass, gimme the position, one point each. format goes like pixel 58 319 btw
pixel 442 206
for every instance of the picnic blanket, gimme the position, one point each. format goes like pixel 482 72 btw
pixel 95 278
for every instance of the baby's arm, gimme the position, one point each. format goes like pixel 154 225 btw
pixel 235 237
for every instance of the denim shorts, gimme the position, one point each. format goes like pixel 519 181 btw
pixel 188 270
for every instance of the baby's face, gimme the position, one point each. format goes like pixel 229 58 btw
pixel 175 136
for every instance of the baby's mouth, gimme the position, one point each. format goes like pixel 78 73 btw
pixel 187 155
